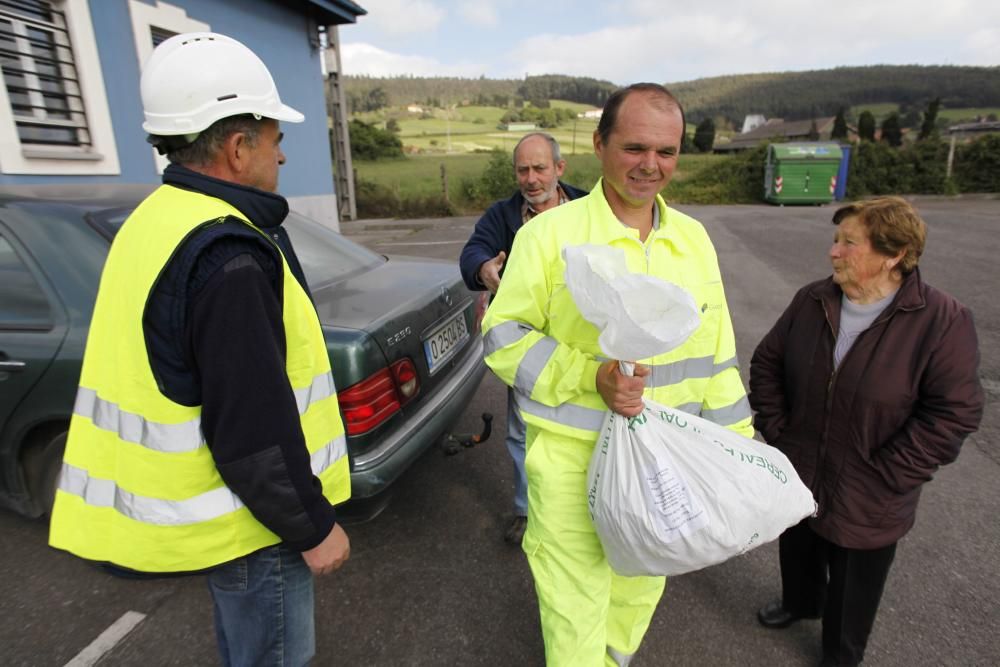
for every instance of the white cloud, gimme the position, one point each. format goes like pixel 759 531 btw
pixel 656 51
pixel 785 36
pixel 365 59
pixel 657 41
pixel 480 13
pixel 983 47
pixel 400 17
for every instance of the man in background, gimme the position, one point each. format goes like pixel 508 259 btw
pixel 538 167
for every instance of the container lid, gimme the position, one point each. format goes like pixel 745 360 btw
pixel 812 150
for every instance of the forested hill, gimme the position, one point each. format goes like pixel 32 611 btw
pixel 790 95
pixel 444 91
pixel 801 95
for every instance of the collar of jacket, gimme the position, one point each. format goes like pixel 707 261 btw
pixel 665 232
pixel 516 202
pixel 264 209
pixel 909 297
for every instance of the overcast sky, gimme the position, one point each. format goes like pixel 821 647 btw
pixel 663 41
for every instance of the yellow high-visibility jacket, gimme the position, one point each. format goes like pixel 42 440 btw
pixel 139 487
pixel 537 341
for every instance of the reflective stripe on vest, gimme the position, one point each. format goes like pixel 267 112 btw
pixel 157 511
pixel 695 367
pixel 504 334
pixel 729 414
pixel 581 417
pixel 533 363
pixel 590 419
pixel 173 438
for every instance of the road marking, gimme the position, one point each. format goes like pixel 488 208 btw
pixel 107 640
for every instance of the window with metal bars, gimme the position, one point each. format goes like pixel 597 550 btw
pixel 159 35
pixel 40 75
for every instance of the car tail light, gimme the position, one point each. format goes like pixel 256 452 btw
pixel 407 381
pixel 368 403
pixel 481 303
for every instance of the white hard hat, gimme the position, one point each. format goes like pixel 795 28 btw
pixel 194 79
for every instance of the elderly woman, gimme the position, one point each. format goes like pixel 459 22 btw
pixel 868 382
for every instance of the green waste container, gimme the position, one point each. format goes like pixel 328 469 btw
pixel 801 173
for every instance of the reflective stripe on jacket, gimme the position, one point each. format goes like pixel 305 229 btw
pixel 139 487
pixel 537 341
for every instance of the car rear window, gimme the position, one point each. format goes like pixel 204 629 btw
pixel 325 255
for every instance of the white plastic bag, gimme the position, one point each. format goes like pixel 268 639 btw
pixel 670 492
pixel 638 315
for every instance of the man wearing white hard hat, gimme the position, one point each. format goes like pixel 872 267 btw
pixel 206 435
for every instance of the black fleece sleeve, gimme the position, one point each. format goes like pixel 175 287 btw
pixel 249 415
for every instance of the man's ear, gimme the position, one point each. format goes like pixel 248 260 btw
pixel 235 149
pixel 598 146
pixel 560 168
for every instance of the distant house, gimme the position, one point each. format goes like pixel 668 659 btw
pixel 414 108
pixel 517 127
pixel 776 128
pixel 70 109
pixel 752 122
pixel 594 114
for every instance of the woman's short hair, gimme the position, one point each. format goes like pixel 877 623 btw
pixel 893 226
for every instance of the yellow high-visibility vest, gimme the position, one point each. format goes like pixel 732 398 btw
pixel 538 342
pixel 139 487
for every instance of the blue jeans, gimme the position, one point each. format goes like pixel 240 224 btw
pixel 264 609
pixel 515 445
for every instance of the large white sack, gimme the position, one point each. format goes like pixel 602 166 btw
pixel 671 493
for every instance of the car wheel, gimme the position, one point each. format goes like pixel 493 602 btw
pixel 42 465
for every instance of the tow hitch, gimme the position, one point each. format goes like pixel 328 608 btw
pixel 452 444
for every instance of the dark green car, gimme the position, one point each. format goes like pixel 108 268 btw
pixel 403 336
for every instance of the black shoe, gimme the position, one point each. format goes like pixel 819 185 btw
pixel 515 531
pixel 773 615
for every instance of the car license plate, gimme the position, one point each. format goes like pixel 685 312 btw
pixel 442 345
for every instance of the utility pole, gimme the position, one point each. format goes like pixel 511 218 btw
pixel 336 105
pixel 447 110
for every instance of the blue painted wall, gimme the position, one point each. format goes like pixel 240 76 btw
pixel 280 36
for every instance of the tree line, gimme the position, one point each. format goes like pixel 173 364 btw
pixel 366 93
pixel 810 94
pixel 789 95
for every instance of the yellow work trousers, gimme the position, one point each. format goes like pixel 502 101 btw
pixel 590 615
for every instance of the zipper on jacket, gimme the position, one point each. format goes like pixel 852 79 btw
pixel 881 320
pixel 827 405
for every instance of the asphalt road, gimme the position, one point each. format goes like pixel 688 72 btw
pixel 430 581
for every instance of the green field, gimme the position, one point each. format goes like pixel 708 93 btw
pixel 441 135
pixel 468 129
pixel 420 175
pixel 880 111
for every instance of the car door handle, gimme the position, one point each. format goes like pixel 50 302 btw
pixel 12 366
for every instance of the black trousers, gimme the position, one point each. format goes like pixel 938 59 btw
pixel 844 586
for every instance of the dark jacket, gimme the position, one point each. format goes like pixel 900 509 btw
pixel 866 437
pixel 217 304
pixel 495 232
